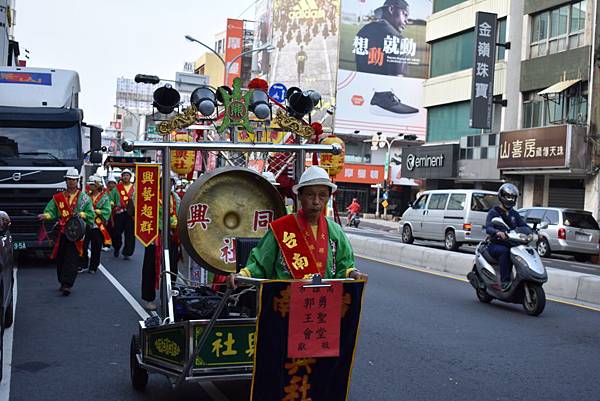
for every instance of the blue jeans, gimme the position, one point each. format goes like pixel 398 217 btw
pixel 502 254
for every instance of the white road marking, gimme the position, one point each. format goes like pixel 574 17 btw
pixel 208 387
pixel 8 349
pixel 128 297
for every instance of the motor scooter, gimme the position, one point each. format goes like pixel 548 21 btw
pixel 354 220
pixel 529 271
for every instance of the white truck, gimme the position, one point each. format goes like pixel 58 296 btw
pixel 41 136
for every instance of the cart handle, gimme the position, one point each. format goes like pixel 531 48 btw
pixel 315 282
pixel 202 341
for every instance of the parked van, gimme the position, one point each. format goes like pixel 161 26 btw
pixel 455 216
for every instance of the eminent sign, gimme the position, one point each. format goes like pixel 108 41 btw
pixel 413 161
pixel 484 62
pixel 534 148
pixel 429 161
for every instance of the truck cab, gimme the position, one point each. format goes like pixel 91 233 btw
pixel 41 137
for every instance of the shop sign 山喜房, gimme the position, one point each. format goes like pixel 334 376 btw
pixel 534 148
pixel 430 161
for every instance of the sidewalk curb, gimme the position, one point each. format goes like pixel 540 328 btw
pixel 561 283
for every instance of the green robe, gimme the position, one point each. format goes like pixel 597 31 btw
pixel 266 261
pixel 115 197
pixel 103 208
pixel 83 205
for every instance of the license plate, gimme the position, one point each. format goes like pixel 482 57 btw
pixel 19 245
pixel 582 237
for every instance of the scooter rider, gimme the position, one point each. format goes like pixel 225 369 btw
pixel 499 248
pixel 353 209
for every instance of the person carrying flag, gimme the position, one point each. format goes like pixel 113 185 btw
pixel 122 198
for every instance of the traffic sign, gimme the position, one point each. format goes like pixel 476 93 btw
pixel 385 203
pixel 277 92
pixel 385 195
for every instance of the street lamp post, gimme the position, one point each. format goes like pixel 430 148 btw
pixel 267 47
pixel 226 65
pixel 379 141
pixel 387 164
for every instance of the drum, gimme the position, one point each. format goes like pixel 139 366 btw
pixel 130 208
pixel 75 229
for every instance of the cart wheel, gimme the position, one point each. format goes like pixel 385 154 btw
pixel 139 376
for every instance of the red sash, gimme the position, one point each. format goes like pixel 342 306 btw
pixel 304 254
pixel 124 195
pixel 98 220
pixel 65 212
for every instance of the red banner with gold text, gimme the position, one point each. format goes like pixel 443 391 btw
pixel 146 202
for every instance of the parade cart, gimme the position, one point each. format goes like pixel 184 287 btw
pixel 221 218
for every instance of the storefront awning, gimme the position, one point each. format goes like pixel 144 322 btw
pixel 361 174
pixel 559 87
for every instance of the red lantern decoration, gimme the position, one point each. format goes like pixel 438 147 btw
pixel 333 164
pixel 258 83
pixel 182 161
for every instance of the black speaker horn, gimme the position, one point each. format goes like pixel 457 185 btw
pixel 203 98
pixel 299 104
pixel 259 104
pixel 166 99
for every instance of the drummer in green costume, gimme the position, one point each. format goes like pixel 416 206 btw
pixel 305 243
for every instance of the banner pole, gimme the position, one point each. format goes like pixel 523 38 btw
pixel 166 301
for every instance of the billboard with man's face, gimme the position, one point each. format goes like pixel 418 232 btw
pixel 383 63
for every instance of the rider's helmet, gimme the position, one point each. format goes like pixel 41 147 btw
pixel 508 195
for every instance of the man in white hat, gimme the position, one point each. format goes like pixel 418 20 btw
pixel 63 206
pixel 111 183
pixel 306 243
pixel 122 198
pixel 97 234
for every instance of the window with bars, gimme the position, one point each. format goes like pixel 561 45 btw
pixel 558 29
pixel 569 106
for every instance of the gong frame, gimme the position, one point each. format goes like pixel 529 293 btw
pixel 166 296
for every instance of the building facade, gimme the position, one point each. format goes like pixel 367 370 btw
pixel 230 45
pixel 447 93
pixel 543 135
pixel 9 47
pixel 554 114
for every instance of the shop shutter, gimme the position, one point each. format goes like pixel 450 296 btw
pixel 568 193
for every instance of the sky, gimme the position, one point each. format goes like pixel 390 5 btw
pixel 107 39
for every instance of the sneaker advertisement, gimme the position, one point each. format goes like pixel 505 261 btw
pixel 383 63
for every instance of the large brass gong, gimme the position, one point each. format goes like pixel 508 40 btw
pixel 226 203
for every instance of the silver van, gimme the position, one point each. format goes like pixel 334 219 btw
pixel 571 232
pixel 455 216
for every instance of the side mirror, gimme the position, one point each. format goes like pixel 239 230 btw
pixel 498 222
pixel 410 204
pixel 96 157
pixel 543 225
pixel 95 138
